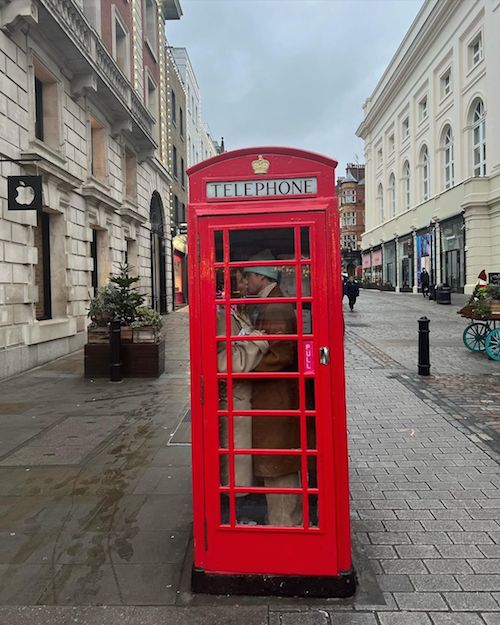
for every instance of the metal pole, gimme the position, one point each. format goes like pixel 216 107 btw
pixel 115 364
pixel 424 365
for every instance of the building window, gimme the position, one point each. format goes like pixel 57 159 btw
pixel 176 210
pixel 181 122
pixel 448 158
pixel 183 174
pixel 349 196
pixel 478 139
pixel 422 109
pixel 94 256
pixel 405 128
pixel 391 144
pixel 42 268
pixel 348 242
pixel 424 163
pixel 476 51
pixel 151 27
pixel 392 194
pixel 174 107
pixel 174 161
pixel 348 219
pixel 46 107
pixel 121 45
pixel 445 83
pixel 380 202
pixel 98 155
pixel 406 185
pixel 379 157
pixel 130 174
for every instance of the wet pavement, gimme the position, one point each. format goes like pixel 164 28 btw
pixel 95 494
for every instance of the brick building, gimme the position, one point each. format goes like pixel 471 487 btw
pixel 82 91
pixel 351 196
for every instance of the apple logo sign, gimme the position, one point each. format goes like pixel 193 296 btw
pixel 24 192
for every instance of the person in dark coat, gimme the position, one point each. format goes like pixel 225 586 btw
pixel 352 292
pixel 424 281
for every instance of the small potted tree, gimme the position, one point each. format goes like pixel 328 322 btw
pixel 101 312
pixel 126 300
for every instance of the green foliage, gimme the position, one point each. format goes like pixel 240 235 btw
pixel 117 300
pixel 481 299
pixel 146 316
pixel 126 298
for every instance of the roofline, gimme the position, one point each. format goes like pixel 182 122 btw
pixel 265 150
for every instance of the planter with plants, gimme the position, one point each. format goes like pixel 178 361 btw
pixel 142 350
pixel 484 303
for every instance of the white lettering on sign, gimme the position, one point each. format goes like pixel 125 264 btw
pixel 262 188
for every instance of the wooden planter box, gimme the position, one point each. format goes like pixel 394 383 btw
pixel 146 334
pixel 139 360
pixel 495 308
pixel 98 335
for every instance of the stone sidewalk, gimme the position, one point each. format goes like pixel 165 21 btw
pixel 95 509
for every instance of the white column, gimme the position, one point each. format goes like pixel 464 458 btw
pixel 437 252
pixel 396 260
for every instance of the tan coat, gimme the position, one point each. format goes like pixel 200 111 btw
pixel 276 432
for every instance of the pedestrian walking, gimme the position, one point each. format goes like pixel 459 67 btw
pixel 352 292
pixel 424 281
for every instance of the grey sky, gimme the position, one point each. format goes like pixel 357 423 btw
pixel 290 72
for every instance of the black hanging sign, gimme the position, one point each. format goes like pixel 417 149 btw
pixel 24 193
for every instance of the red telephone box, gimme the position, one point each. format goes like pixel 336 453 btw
pixel 270 469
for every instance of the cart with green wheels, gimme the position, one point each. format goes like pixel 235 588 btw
pixel 482 334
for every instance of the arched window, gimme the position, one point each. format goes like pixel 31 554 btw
pixel 478 139
pixel 380 202
pixel 448 158
pixel 406 185
pixel 424 164
pixel 392 194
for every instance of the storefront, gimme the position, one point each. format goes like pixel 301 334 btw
pixel 453 253
pixel 406 270
pixel 389 258
pixel 367 266
pixel 424 242
pixel 376 271
pixel 180 269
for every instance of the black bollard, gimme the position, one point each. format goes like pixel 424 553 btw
pixel 424 365
pixel 115 364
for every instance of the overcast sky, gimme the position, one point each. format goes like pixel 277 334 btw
pixel 290 72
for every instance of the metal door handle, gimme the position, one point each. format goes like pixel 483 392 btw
pixel 324 355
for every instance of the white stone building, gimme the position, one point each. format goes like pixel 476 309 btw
pixel 82 89
pixel 431 130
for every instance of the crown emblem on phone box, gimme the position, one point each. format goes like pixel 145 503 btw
pixel 260 165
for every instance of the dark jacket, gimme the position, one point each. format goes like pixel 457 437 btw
pixel 424 278
pixel 352 290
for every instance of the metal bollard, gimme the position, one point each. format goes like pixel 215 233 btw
pixel 115 364
pixel 424 365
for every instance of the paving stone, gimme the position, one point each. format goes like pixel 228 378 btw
pixel 352 619
pixel 393 583
pixel 485 565
pixel 471 601
pixel 450 565
pixel 480 583
pixel 456 618
pixel 404 618
pixel 461 551
pixel 403 566
pixel 491 619
pixel 416 551
pixel 420 601
pixel 434 582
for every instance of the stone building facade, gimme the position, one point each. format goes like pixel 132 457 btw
pixel 178 155
pixel 83 95
pixel 432 158
pixel 351 198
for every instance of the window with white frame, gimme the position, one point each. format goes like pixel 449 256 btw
pixel 445 83
pixel 348 242
pixel 392 194
pixel 380 202
pixel 448 158
pixel 476 50
pixel 424 164
pixel 423 109
pixel 348 219
pixel 121 45
pixel 98 150
pixel 349 196
pixel 478 139
pixel 406 185
pixel 391 144
pixel 405 128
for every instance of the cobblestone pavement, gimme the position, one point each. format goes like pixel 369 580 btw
pixel 110 523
